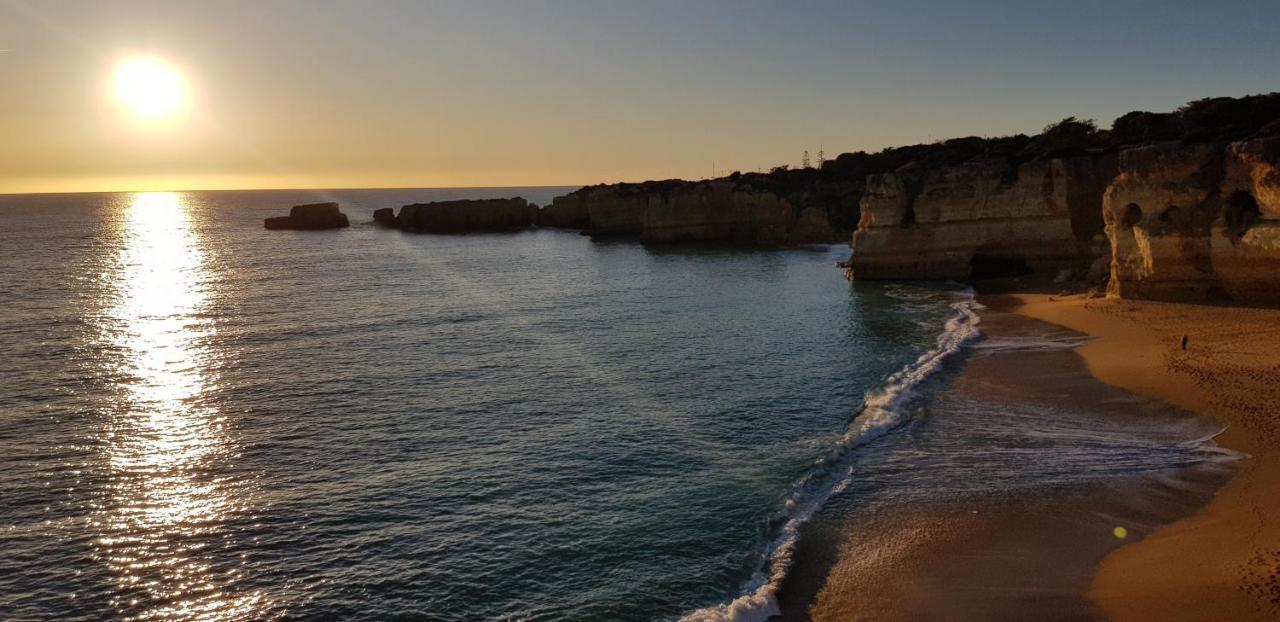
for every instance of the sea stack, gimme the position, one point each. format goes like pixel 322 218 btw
pixel 310 217
pixel 386 217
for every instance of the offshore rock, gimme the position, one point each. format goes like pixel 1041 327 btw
pixel 313 216
pixel 386 217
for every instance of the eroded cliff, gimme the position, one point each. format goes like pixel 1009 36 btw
pixel 981 219
pixel 469 215
pixel 722 211
pixel 1181 205
pixel 1196 223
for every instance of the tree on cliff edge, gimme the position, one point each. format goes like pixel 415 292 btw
pixel 1068 137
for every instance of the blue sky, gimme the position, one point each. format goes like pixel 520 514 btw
pixel 494 93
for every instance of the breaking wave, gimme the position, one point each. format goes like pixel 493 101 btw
pixel 884 408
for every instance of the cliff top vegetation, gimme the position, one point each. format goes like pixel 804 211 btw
pixel 1214 119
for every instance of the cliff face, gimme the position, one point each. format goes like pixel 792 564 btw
pixel 616 210
pixel 569 211
pixel 981 219
pixel 1182 222
pixel 674 212
pixel 718 212
pixel 1196 223
pixel 467 215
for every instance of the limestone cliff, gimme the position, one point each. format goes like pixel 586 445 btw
pixel 1196 223
pixel 722 211
pixel 617 210
pixel 978 219
pixel 465 216
pixel 569 211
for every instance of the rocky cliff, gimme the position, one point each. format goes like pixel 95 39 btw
pixel 1197 223
pixel 569 211
pixel 463 216
pixel 1179 206
pixel 723 211
pixel 981 219
pixel 1190 222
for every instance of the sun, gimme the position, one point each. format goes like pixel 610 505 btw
pixel 149 87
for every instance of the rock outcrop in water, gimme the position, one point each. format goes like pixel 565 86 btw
pixel 386 217
pixel 313 216
pixel 1197 223
pixel 467 216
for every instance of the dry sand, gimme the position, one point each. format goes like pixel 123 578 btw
pixel 1222 563
pixel 1003 555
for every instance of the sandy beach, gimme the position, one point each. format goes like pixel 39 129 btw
pixel 1203 545
pixel 1223 562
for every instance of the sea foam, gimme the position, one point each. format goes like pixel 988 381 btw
pixel 884 408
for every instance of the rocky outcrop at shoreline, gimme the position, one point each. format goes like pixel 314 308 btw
pixel 386 217
pixel 1181 206
pixel 1197 223
pixel 1187 222
pixel 982 219
pixel 313 216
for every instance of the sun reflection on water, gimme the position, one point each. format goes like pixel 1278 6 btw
pixel 163 528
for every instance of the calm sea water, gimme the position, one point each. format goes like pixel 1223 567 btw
pixel 201 419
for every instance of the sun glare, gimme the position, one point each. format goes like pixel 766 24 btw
pixel 149 87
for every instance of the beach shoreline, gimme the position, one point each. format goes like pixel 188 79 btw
pixel 1223 561
pixel 1200 548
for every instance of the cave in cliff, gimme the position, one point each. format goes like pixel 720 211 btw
pixel 1132 215
pixel 984 266
pixel 1241 212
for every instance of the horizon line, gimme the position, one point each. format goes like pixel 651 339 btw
pixel 283 189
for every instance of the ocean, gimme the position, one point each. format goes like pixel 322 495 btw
pixel 201 419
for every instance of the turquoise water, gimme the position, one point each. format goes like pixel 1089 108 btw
pixel 207 420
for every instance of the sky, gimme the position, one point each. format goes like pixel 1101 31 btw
pixel 333 94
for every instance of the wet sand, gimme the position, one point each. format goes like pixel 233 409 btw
pixel 1223 563
pixel 999 555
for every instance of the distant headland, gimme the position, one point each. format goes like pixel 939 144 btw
pixel 1181 206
